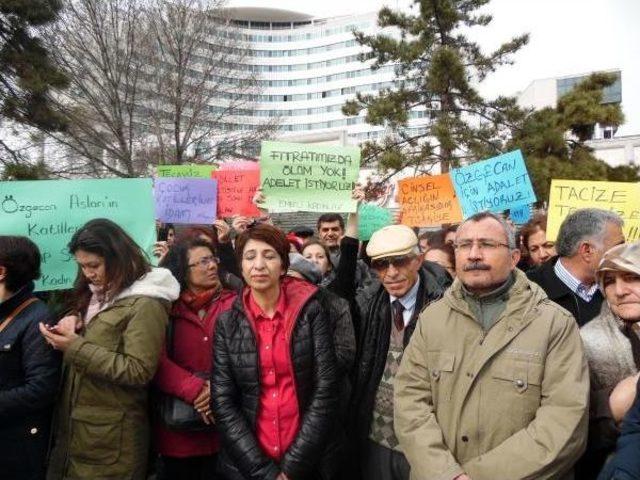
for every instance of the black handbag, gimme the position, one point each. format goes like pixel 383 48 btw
pixel 173 412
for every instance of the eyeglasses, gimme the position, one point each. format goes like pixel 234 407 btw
pixel 483 245
pixel 382 264
pixel 204 262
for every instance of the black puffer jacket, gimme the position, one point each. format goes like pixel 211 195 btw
pixel 235 391
pixel 373 316
pixel 29 377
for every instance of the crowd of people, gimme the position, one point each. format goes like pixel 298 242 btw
pixel 478 351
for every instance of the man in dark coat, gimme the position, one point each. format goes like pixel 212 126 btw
pixel 385 315
pixel 570 278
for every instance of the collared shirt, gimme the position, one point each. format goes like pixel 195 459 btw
pixel 583 290
pixel 408 302
pixel 278 418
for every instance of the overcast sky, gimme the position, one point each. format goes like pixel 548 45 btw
pixel 567 37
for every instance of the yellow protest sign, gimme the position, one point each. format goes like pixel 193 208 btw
pixel 622 198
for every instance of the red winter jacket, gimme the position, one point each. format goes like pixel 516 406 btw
pixel 192 353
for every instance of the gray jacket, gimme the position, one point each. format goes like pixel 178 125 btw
pixel 610 359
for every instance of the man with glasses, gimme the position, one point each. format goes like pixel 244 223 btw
pixel 385 314
pixel 570 278
pixel 493 384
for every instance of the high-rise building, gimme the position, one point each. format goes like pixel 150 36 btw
pixel 307 68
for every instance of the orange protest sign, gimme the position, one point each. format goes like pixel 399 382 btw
pixel 237 184
pixel 428 200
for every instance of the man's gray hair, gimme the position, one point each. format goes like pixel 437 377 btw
pixel 586 224
pixel 508 231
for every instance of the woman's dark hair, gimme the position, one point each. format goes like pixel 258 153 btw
pixel 177 260
pixel 315 241
pixel 21 257
pixel 125 262
pixel 267 234
pixel 163 232
pixel 192 233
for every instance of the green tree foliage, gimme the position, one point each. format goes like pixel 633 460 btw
pixel 24 171
pixel 553 139
pixel 439 67
pixel 27 74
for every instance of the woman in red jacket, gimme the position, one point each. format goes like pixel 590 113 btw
pixel 184 371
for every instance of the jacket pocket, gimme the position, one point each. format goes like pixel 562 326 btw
pixel 441 368
pixel 519 383
pixel 96 435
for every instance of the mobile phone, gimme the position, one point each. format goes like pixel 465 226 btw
pixel 163 233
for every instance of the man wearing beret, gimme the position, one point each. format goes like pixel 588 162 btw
pixel 385 315
pixel 494 383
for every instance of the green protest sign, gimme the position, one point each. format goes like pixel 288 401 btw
pixel 49 212
pixel 371 218
pixel 297 177
pixel 187 171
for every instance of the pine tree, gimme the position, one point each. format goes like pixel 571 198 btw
pixel 553 139
pixel 27 75
pixel 438 67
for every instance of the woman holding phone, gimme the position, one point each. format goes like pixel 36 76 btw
pixel 110 350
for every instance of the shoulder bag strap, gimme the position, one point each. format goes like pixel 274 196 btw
pixel 16 312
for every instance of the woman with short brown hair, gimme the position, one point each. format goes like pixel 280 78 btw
pixel 274 383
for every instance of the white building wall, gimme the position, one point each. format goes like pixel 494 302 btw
pixel 311 89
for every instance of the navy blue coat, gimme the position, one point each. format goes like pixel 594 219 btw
pixel 29 377
pixel 625 465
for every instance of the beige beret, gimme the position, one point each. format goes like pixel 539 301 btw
pixel 392 241
pixel 624 258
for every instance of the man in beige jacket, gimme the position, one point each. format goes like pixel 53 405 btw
pixel 493 384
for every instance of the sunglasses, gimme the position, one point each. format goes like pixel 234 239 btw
pixel 382 264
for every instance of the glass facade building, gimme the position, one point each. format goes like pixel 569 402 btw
pixel 306 69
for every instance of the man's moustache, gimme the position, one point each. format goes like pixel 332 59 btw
pixel 476 266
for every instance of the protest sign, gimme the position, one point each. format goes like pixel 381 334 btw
pixel 520 215
pixel 308 178
pixel 495 184
pixel 49 212
pixel 237 185
pixel 371 217
pixel 185 200
pixel 185 171
pixel 622 198
pixel 428 200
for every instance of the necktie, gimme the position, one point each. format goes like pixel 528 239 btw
pixel 398 317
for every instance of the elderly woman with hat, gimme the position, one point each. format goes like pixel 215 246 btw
pixel 612 346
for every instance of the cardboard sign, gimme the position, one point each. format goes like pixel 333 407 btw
pixel 237 185
pixel 429 200
pixel 308 178
pixel 372 218
pixel 520 215
pixel 622 198
pixel 496 184
pixel 49 212
pixel 185 171
pixel 186 200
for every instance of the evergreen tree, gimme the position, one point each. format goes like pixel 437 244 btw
pixel 553 139
pixel 26 73
pixel 439 68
